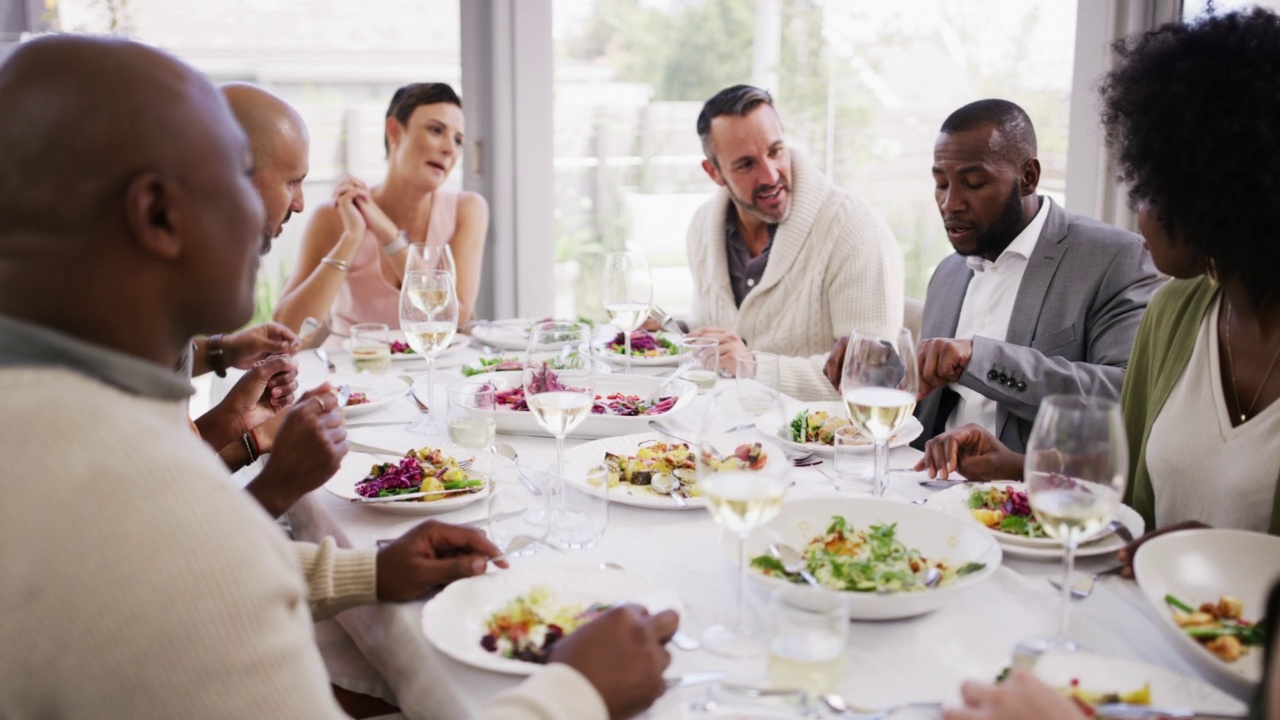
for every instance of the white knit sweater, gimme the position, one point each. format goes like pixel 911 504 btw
pixel 138 582
pixel 834 266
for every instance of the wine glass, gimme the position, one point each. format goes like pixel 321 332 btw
pixel 430 257
pixel 740 500
pixel 429 319
pixel 559 380
pixel 879 384
pixel 1076 469
pixel 757 380
pixel 627 292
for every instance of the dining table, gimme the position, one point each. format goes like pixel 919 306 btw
pixel 923 658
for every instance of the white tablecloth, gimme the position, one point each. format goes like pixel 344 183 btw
pixel 923 658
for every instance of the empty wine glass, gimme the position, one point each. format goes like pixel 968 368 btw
pixel 559 379
pixel 758 377
pixel 429 319
pixel 626 289
pixel 1076 469
pixel 879 384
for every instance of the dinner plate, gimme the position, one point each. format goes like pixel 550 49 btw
pixel 454 620
pixel 955 502
pixel 1096 673
pixel 1199 566
pixel 510 334
pixel 521 422
pixel 779 426
pixel 937 535
pixel 640 496
pixel 355 466
pixel 458 339
pixel 618 358
pixel 380 389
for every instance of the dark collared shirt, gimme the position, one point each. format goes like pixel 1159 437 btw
pixel 26 344
pixel 744 271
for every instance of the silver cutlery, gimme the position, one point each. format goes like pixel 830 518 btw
pixel 741 428
pixel 510 453
pixel 674 375
pixel 940 484
pixel 792 561
pixel 373 449
pixel 668 485
pixel 520 542
pixel 1120 529
pixel 681 639
pixel 324 358
pixel 842 708
pixel 376 423
pixel 1127 711
pixel 414 496
pixel 1083 587
pixel 691 679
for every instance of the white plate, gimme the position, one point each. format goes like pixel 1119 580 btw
pixel 504 334
pixel 458 339
pixel 381 389
pixel 1198 566
pixel 955 502
pixel 595 426
pixel 1105 674
pixel 777 426
pixel 639 496
pixel 355 466
pixel 453 621
pixel 619 359
pixel 936 535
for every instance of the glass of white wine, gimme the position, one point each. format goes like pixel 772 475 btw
pixel 879 383
pixel 370 347
pixel 809 630
pixel 430 257
pixel 758 378
pixel 429 319
pixel 702 356
pixel 559 380
pixel 626 290
pixel 740 500
pixel 473 422
pixel 1077 465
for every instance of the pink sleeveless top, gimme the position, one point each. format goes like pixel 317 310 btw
pixel 366 296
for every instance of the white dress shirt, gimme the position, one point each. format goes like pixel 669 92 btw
pixel 988 304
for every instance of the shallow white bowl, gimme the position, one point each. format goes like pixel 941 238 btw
pixel 1198 566
pixel 778 426
pixel 936 534
pixel 1105 674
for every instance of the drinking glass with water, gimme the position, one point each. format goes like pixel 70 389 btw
pixel 473 421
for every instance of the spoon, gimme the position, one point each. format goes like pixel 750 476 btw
pixel 510 453
pixel 841 707
pixel 792 561
pixel 668 484
pixel 518 543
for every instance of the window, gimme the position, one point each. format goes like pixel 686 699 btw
pixel 860 87
pixel 337 64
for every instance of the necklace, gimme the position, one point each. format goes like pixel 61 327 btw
pixel 1231 366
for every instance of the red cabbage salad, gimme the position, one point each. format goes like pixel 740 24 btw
pixel 424 470
pixel 644 344
pixel 616 404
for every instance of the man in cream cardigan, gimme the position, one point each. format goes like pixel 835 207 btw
pixel 782 260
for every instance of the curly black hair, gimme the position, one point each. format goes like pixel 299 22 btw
pixel 1192 112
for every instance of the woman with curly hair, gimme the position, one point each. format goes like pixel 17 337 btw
pixel 353 253
pixel 1193 114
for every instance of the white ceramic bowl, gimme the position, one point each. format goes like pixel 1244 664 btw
pixel 935 534
pixel 1198 566
pixel 1105 674
pixel 778 425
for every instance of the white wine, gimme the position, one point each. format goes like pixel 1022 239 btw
pixel 743 500
pixel 429 300
pixel 703 380
pixel 560 411
pixel 429 338
pixel 1074 513
pixel 371 358
pixel 627 316
pixel 473 432
pixel 812 660
pixel 879 412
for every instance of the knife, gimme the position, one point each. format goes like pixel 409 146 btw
pixel 688 679
pixel 372 450
pixel 414 496
pixel 377 423
pixel 1129 711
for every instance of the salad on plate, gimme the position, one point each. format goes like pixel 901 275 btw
pixel 644 344
pixel 421 470
pixel 528 627
pixel 615 404
pixel 658 463
pixel 1005 509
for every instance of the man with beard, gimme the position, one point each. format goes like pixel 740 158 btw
pixel 1034 302
pixel 783 261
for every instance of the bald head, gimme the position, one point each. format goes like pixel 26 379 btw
pixel 119 156
pixel 280 143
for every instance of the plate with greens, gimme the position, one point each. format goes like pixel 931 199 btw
pixel 647 349
pixel 811 427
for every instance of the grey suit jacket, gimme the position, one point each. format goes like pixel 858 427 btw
pixel 1074 319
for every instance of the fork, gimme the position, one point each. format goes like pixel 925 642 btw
pixel 1083 587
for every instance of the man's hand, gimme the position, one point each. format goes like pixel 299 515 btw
pixel 429 555
pixel 942 362
pixel 972 452
pixel 307 450
pixel 731 346
pixel 1020 696
pixel 253 345
pixel 834 368
pixel 622 654
pixel 1127 553
pixel 255 398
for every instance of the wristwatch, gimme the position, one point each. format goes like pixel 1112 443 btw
pixel 214 356
pixel 401 242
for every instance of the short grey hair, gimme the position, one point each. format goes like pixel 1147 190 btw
pixel 738 101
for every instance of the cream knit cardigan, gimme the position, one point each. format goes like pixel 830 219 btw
pixel 834 266
pixel 138 582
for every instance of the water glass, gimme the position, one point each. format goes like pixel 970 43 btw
pixel 371 347
pixel 809 629
pixel 702 355
pixel 515 509
pixel 757 381
pixel 854 468
pixel 580 498
pixel 473 422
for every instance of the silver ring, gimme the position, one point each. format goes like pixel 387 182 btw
pixel 318 401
